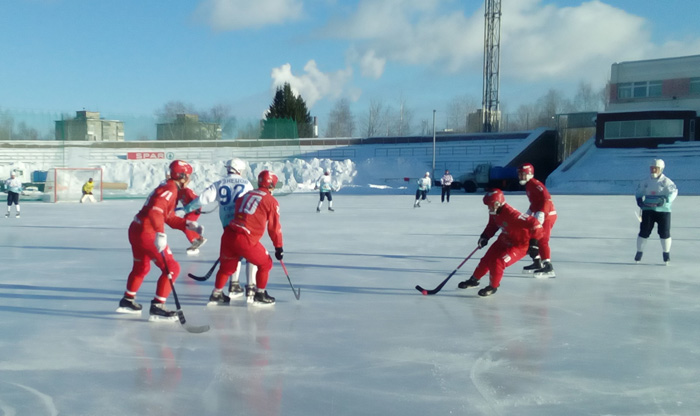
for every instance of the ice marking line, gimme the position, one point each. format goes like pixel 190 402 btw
pixel 45 399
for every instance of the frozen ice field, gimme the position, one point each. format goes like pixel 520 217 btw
pixel 605 337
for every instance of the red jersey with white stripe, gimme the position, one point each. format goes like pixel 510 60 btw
pixel 159 209
pixel 516 229
pixel 256 211
pixel 540 200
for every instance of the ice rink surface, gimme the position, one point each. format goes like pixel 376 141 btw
pixel 605 337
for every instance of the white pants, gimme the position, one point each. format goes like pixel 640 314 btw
pixel 88 197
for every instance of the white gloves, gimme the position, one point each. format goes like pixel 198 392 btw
pixel 540 216
pixel 161 242
pixel 194 226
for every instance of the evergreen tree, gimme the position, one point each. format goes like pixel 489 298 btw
pixel 287 109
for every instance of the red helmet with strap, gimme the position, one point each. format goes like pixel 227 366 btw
pixel 180 169
pixel 527 169
pixel 267 180
pixel 494 199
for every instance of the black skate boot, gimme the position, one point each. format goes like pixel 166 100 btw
pixel 638 256
pixel 487 291
pixel 471 282
pixel 129 305
pixel 318 209
pixel 667 258
pixel 218 298
pixel 159 313
pixel 536 265
pixel 193 249
pixel 547 270
pixel 234 289
pixel 263 299
pixel 250 293
pixel 330 209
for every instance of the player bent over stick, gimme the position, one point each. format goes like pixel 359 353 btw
pixel 256 211
pixel 150 243
pixel 518 237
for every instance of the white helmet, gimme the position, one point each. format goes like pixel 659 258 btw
pixel 235 165
pixel 427 173
pixel 657 163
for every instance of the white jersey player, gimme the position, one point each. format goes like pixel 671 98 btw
pixel 226 191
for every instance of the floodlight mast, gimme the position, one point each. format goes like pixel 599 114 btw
pixel 492 55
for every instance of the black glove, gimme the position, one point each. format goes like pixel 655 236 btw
pixel 640 202
pixel 533 250
pixel 278 253
pixel 483 241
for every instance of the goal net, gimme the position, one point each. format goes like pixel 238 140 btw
pixel 66 184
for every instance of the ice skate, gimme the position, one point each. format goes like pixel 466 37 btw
pixel 487 291
pixel 667 258
pixel 263 299
pixel 159 313
pixel 318 209
pixel 17 216
pixel 471 282
pixel 7 215
pixel 638 257
pixel 234 289
pixel 536 265
pixel 218 298
pixel 250 293
pixel 129 305
pixel 331 209
pixel 193 249
pixel 547 270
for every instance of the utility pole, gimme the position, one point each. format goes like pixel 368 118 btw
pixel 492 56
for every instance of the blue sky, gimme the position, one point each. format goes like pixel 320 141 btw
pixel 133 56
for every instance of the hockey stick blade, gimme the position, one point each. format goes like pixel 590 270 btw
pixel 180 313
pixel 206 276
pixel 442 284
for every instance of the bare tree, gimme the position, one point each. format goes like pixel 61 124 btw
pixel 341 122
pixel 549 105
pixel 171 109
pixel 221 114
pixel 373 124
pixel 457 111
pixel 587 99
pixel 400 120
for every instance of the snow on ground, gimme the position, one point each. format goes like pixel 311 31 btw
pixel 606 337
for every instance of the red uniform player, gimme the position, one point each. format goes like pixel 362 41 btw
pixel 519 235
pixel 255 212
pixel 542 208
pixel 149 243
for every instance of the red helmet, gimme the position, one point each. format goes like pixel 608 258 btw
pixel 494 199
pixel 527 169
pixel 180 169
pixel 525 173
pixel 267 180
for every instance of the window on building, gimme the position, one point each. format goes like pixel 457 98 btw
pixel 636 129
pixel 643 89
pixel 624 90
pixel 695 85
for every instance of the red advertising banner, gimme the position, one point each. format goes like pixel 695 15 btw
pixel 145 155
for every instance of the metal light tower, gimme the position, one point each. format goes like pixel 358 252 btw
pixel 492 57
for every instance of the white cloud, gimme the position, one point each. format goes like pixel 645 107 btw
pixel 539 42
pixel 313 85
pixel 410 32
pixel 223 15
